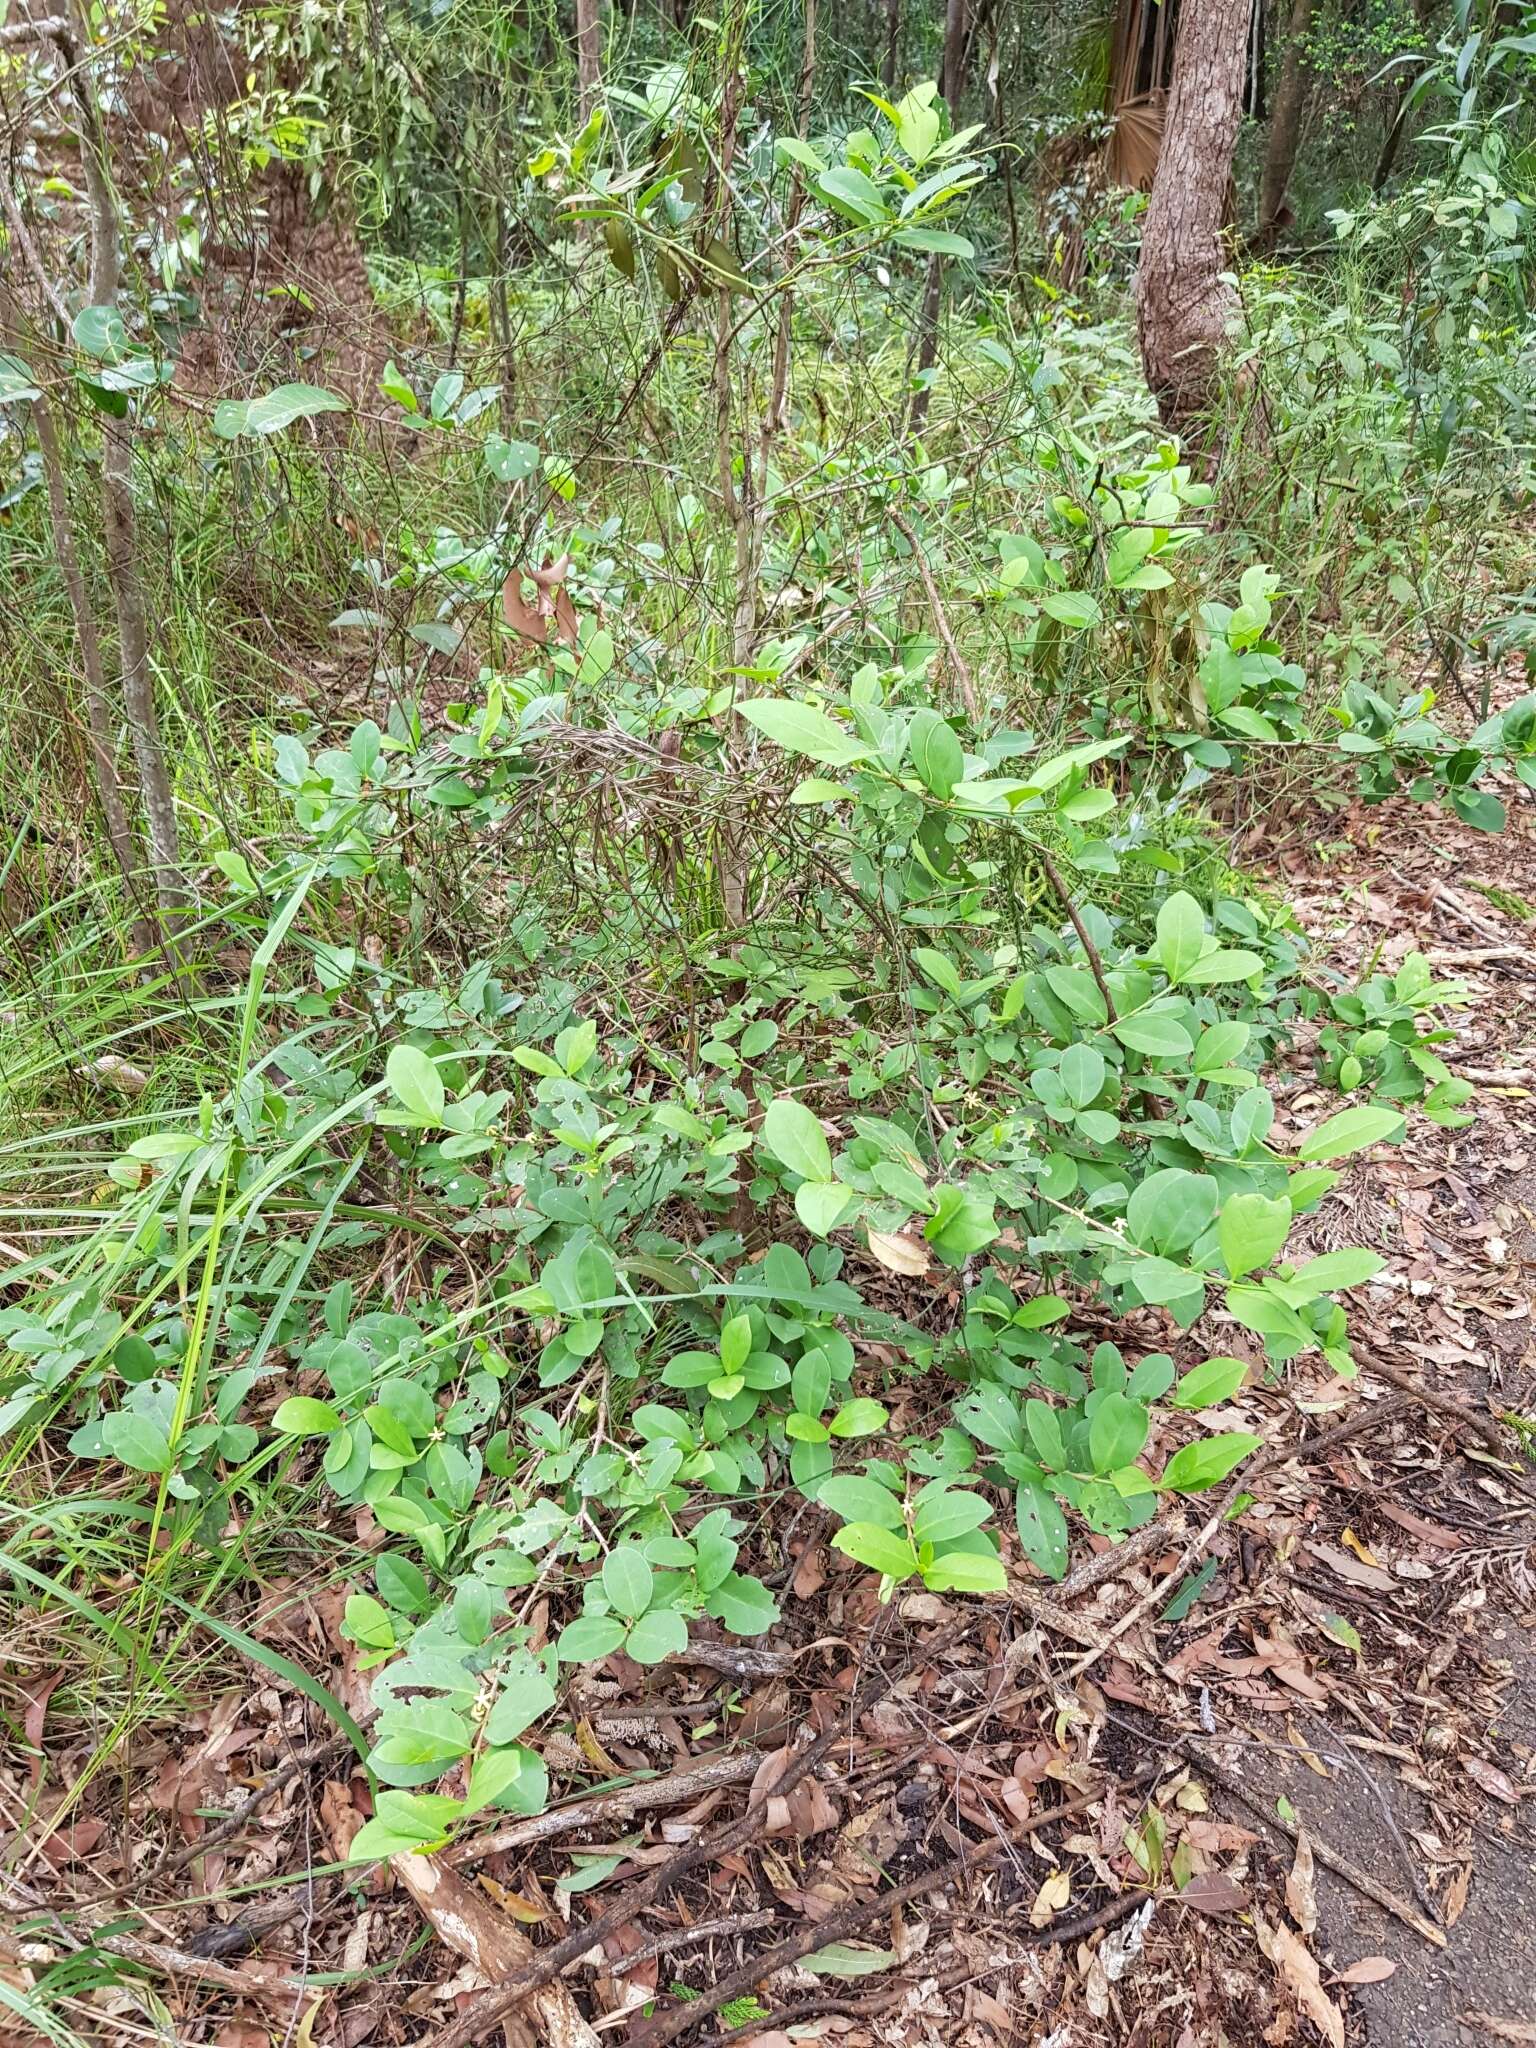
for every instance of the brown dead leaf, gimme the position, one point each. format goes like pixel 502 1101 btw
pixel 36 1692
pixel 1350 1569
pixel 807 1810
pixel 339 1817
pixel 1301 1886
pixel 1501 2029
pixel 551 609
pixel 899 1253
pixel 1297 1967
pixel 1214 1892
pixel 810 1572
pixel 1456 1894
pixel 1433 1533
pixel 1490 1779
pixel 1369 1970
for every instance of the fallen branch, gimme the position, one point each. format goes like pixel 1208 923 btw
pixel 268 1981
pixel 492 2007
pixel 622 1803
pixel 837 1926
pixel 1481 1427
pixel 465 1919
pixel 1278 1454
pixel 688 1937
pixel 1330 1859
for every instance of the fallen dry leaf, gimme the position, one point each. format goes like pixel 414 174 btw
pixel 1490 1779
pixel 1297 1967
pixel 36 1691
pixel 1362 1550
pixel 1369 1970
pixel 1456 1894
pixel 900 1253
pixel 1301 1887
pixel 1351 1569
pixel 1214 1892
pixel 1501 2029
pixel 1055 1893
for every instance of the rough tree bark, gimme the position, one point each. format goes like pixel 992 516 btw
pixel 1182 306
pixel 1284 125
pixel 888 68
pixel 950 79
pixel 589 54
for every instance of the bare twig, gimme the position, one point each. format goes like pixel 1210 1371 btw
pixel 837 1926
pixel 232 1823
pixel 687 1937
pixel 623 1803
pixel 492 2008
pixel 1054 876
pixel 940 617
pixel 1331 1859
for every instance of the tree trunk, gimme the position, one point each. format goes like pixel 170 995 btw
pixel 933 283
pixel 889 68
pixel 950 79
pixel 589 56
pixel 1284 125
pixel 1392 141
pixel 1182 305
pixel 120 525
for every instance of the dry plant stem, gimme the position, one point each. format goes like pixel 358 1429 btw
pixel 492 2007
pixel 120 527
pixel 1279 1454
pixel 1057 881
pixel 667 2026
pixel 941 623
pixel 649 1795
pixel 1330 1859
pixel 250 1980
pixel 688 1937
pixel 1481 1427
pixel 232 1823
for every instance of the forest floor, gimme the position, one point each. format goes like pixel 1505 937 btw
pixel 1318 1719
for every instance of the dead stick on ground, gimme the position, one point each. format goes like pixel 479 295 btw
pixel 1443 1404
pixel 687 1937
pixel 622 1803
pixel 1329 1858
pixel 667 2026
pixel 1278 1454
pixel 464 1918
pixel 492 2007
pixel 822 1934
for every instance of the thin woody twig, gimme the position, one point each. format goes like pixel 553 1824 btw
pixel 687 1937
pixel 667 2026
pixel 1054 876
pixel 940 616
pixel 493 2006
pixel 623 1803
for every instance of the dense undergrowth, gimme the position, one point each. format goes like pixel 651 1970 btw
pixel 622 1075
